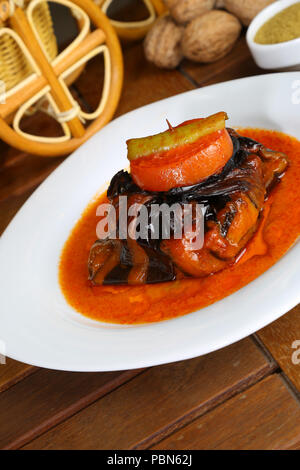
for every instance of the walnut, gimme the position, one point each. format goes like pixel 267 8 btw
pixel 162 43
pixel 210 36
pixel 184 11
pixel 246 10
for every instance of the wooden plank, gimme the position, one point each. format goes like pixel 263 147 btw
pixel 279 338
pixel 160 400
pixel 266 416
pixel 244 68
pixel 20 172
pixel 12 372
pixel 237 64
pixel 10 206
pixel 46 398
pixel 144 83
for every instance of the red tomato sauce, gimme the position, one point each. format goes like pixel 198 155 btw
pixel 279 229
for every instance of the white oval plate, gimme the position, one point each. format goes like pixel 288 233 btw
pixel 37 326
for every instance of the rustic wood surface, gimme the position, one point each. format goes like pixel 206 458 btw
pixel 159 401
pixel 244 396
pixel 266 416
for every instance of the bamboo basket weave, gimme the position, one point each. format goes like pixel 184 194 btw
pixel 37 76
pixel 133 30
pixel 14 66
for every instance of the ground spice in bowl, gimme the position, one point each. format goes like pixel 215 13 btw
pixel 283 27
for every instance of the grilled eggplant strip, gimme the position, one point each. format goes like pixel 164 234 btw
pixel 104 257
pixel 140 261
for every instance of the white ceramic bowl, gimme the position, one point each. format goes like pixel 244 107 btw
pixel 273 56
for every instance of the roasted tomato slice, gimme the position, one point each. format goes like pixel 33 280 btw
pixel 183 165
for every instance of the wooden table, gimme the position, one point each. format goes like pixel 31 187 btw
pixel 245 396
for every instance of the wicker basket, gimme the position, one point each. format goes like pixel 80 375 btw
pixel 14 66
pixel 37 76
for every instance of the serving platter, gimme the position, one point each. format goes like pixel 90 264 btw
pixel 38 327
